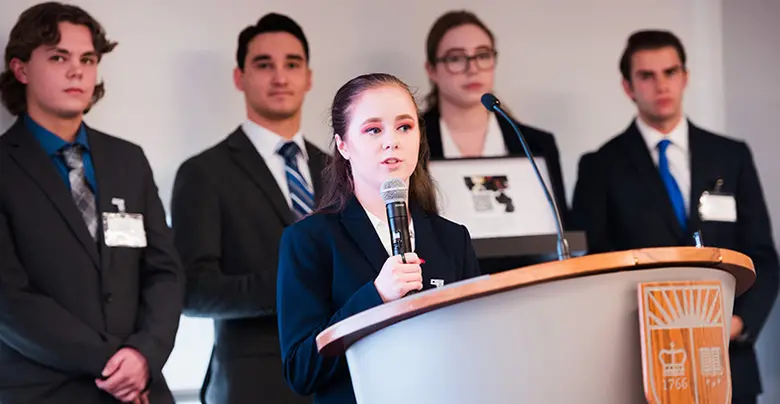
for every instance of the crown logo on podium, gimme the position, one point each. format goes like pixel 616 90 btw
pixel 673 361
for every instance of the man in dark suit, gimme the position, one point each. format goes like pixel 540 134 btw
pixel 665 178
pixel 231 204
pixel 91 287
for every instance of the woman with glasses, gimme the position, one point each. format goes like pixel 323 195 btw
pixel 461 57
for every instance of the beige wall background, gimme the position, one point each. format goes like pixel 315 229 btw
pixel 751 59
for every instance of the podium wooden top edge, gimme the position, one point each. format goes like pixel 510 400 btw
pixel 335 340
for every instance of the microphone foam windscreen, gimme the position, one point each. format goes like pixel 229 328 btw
pixel 394 190
pixel 489 101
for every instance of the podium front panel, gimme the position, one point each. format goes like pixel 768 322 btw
pixel 569 341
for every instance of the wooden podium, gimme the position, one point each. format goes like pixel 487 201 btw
pixel 558 332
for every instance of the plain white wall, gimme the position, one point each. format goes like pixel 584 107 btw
pixel 169 85
pixel 752 57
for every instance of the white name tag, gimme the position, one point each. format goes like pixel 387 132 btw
pixel 717 207
pixel 123 229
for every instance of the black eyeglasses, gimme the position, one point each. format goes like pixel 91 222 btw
pixel 457 63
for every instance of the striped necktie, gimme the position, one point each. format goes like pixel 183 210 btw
pixel 79 189
pixel 301 194
pixel 675 195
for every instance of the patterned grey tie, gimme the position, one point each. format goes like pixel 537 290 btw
pixel 79 189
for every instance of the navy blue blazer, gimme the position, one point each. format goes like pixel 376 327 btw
pixel 327 266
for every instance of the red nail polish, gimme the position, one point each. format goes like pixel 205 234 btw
pixel 422 261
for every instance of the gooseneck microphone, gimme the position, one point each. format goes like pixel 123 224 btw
pixel 394 193
pixel 493 104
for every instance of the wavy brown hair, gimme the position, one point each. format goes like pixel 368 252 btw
pixel 339 185
pixel 39 26
pixel 441 27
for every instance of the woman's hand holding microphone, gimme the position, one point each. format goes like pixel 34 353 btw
pixel 397 278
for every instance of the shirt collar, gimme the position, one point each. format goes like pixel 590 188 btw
pixel 494 128
pixel 375 221
pixel 52 143
pixel 267 142
pixel 494 135
pixel 678 136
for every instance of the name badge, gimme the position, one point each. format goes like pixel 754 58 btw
pixel 717 207
pixel 123 229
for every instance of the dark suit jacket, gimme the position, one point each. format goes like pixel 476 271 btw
pixel 67 304
pixel 621 202
pixel 541 144
pixel 327 266
pixel 228 215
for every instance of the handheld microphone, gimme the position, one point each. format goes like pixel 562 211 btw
pixel 493 104
pixel 394 193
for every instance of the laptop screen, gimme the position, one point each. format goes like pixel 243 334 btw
pixel 494 197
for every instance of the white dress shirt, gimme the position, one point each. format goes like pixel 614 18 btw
pixel 677 153
pixel 383 231
pixel 268 144
pixel 494 140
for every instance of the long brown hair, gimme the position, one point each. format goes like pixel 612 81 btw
pixel 37 26
pixel 444 24
pixel 339 185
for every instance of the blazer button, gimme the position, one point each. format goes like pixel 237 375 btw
pixel 108 298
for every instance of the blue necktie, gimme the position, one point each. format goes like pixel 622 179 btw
pixel 678 203
pixel 301 194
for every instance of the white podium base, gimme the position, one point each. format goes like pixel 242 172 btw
pixel 561 342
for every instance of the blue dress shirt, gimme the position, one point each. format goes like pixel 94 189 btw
pixel 53 144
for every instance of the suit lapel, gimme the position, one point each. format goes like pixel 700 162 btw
pixel 700 176
pixel 29 155
pixel 650 178
pixel 247 157
pixel 512 142
pixel 359 227
pixel 317 161
pixel 107 185
pixel 428 248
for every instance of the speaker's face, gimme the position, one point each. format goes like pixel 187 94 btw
pixel 383 137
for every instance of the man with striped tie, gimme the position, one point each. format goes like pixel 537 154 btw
pixel 230 205
pixel 665 178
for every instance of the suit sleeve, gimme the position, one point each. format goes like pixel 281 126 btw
pixel 196 219
pixel 755 235
pixel 162 284
pixel 589 204
pixel 305 309
pixel 38 327
pixel 470 262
